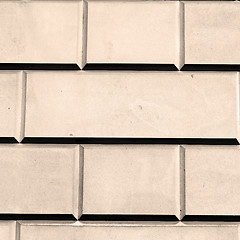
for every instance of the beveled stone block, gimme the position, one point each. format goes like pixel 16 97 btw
pixel 212 180
pixel 12 104
pixel 147 32
pixel 41 31
pixel 40 179
pixel 132 104
pixel 212 32
pixel 132 179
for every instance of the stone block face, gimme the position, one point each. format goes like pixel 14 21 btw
pixel 40 179
pixel 130 179
pixel 211 32
pixel 131 231
pixel 134 32
pixel 8 230
pixel 212 180
pixel 132 104
pixel 41 31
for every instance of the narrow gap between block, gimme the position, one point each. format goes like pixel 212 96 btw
pixel 76 140
pixel 118 217
pixel 212 218
pixel 38 66
pixel 131 67
pixel 45 217
pixel 8 140
pixel 210 67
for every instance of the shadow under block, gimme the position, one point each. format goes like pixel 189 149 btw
pixel 132 179
pixel 40 179
pixel 147 32
pixel 132 104
pixel 12 104
pixel 8 230
pixel 212 178
pixel 212 32
pixel 41 32
pixel 130 231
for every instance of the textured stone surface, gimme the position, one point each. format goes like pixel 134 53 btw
pixel 131 231
pixel 134 32
pixel 212 32
pixel 40 179
pixel 132 104
pixel 41 31
pixel 130 179
pixel 8 230
pixel 212 180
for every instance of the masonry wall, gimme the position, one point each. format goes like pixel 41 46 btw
pixel 119 120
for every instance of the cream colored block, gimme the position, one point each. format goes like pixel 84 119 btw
pixel 132 179
pixel 212 180
pixel 134 32
pixel 40 179
pixel 41 31
pixel 212 32
pixel 132 104
pixel 130 231
pixel 12 104
pixel 8 230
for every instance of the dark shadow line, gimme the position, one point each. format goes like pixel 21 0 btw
pixel 108 217
pixel 8 140
pixel 75 140
pixel 130 67
pixel 210 67
pixel 56 217
pixel 38 66
pixel 212 218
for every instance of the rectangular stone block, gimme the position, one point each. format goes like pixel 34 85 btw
pixel 40 179
pixel 212 180
pixel 132 104
pixel 12 104
pixel 41 31
pixel 132 179
pixel 8 230
pixel 212 32
pixel 147 32
pixel 130 231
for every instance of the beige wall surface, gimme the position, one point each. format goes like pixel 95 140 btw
pixel 212 32
pixel 131 179
pixel 39 179
pixel 12 104
pixel 141 231
pixel 133 32
pixel 212 180
pixel 132 104
pixel 117 119
pixel 41 31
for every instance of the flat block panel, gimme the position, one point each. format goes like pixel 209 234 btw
pixel 132 104
pixel 120 231
pixel 8 230
pixel 212 32
pixel 133 32
pixel 39 179
pixel 12 104
pixel 131 179
pixel 41 31
pixel 212 180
